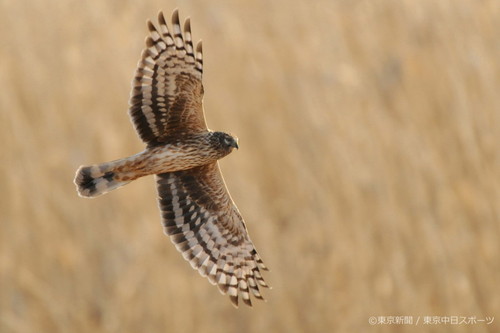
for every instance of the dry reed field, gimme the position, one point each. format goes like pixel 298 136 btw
pixel 368 170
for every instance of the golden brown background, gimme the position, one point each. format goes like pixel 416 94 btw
pixel 368 171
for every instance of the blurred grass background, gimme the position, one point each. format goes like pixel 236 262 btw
pixel 368 172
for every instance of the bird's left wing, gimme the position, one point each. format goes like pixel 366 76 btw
pixel 167 91
pixel 206 227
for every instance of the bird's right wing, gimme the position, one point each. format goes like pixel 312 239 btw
pixel 206 227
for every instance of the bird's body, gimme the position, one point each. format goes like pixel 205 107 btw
pixel 177 154
pixel 197 211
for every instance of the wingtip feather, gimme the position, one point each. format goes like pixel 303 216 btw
pixel 175 16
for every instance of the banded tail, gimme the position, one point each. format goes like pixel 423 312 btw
pixel 92 181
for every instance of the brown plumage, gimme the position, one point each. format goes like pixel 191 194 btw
pixel 197 210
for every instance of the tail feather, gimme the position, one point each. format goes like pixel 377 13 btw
pixel 92 181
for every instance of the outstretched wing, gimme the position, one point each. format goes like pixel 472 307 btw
pixel 206 227
pixel 167 91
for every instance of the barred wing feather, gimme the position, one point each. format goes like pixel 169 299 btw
pixel 167 92
pixel 206 227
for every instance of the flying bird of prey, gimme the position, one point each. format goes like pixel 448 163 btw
pixel 197 211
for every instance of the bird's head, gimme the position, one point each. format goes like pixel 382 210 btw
pixel 225 143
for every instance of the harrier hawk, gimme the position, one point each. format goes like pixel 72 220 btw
pixel 198 213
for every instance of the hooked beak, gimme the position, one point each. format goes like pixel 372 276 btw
pixel 235 144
